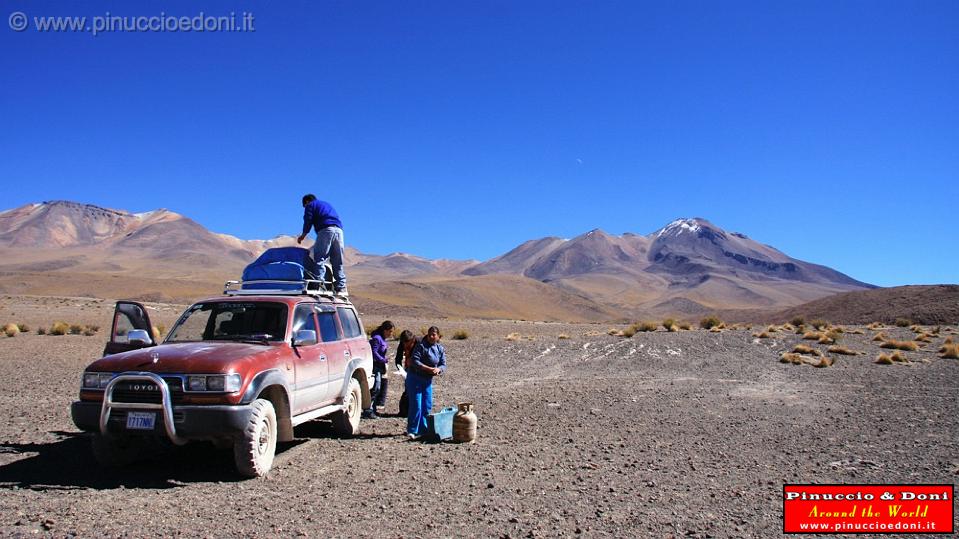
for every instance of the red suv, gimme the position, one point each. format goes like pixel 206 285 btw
pixel 240 370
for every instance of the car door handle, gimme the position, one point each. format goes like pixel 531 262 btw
pixel 346 353
pixel 322 357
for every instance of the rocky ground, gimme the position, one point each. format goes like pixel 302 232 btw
pixel 687 434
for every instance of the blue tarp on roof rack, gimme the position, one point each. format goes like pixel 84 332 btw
pixel 280 264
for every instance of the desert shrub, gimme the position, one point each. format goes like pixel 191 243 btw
pixel 710 322
pixel 879 337
pixel 899 357
pixel 763 335
pixel 818 324
pixel 645 326
pixel 841 350
pixel 23 328
pixel 903 322
pixel 787 327
pixel 685 326
pixel 933 331
pixel 562 336
pixel 924 337
pixel 900 345
pixel 874 325
pixel 915 328
pixel 824 361
pixel 11 330
pixel 803 349
pixel 789 357
pixel 948 340
pixel 668 323
pixel 95 327
pixel 812 335
pixel 89 332
pixel 826 339
pixel 41 330
pixel 883 359
pixel 950 351
pixel 772 329
pixel 59 328
pixel 513 337
pixel 461 335
pixel 76 329
pixel 627 332
pixel 798 321
pixel 715 329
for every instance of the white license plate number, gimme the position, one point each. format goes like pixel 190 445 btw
pixel 141 420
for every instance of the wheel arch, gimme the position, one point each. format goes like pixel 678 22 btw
pixel 272 386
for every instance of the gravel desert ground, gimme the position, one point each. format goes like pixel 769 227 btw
pixel 686 434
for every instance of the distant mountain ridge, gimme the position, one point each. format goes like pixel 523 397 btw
pixel 688 267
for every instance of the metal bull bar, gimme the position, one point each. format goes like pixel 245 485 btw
pixel 166 403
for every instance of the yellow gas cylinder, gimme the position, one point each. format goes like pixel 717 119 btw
pixel 464 423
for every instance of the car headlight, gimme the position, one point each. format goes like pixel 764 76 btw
pixel 96 380
pixel 197 383
pixel 223 383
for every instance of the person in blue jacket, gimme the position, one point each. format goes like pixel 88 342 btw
pixel 380 361
pixel 428 360
pixel 321 216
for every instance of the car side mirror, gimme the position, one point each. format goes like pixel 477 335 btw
pixel 304 337
pixel 139 337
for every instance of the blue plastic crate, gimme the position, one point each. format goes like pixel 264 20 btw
pixel 440 424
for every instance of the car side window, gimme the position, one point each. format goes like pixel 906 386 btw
pixel 328 329
pixel 350 324
pixel 303 318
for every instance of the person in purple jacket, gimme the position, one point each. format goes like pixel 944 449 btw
pixel 380 381
pixel 321 216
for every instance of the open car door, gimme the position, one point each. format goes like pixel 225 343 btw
pixel 129 316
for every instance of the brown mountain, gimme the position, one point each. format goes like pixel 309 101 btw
pixel 688 267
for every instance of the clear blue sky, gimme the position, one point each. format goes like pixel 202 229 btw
pixel 829 130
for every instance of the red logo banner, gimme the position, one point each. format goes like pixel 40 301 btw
pixel 900 509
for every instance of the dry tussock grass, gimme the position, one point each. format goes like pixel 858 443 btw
pixel 803 349
pixel 900 345
pixel 763 335
pixel 874 326
pixel 562 336
pixel 895 357
pixel 710 322
pixel 11 330
pixel 924 337
pixel 948 340
pixel 513 337
pixel 716 329
pixel 59 328
pixel 685 326
pixel 628 332
pixel 818 324
pixel 856 331
pixel 645 326
pixel 812 336
pixel 879 337
pixel 787 327
pixel 460 335
pixel 950 351
pixel 789 357
pixel 842 350
pixel 824 362
pixel 826 339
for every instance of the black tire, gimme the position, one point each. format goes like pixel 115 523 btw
pixel 253 451
pixel 114 452
pixel 347 421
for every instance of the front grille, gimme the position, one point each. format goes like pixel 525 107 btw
pixel 147 392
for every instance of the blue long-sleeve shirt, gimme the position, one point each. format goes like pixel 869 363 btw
pixel 426 355
pixel 319 215
pixel 379 347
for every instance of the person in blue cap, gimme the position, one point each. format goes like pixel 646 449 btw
pixel 321 216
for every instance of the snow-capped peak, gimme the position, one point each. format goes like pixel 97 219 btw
pixel 679 226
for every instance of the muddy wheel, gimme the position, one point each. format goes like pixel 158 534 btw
pixel 113 451
pixel 253 451
pixel 347 421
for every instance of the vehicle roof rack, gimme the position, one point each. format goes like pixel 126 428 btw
pixel 275 288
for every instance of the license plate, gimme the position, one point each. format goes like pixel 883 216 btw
pixel 141 420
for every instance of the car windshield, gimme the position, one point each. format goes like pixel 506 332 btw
pixel 258 321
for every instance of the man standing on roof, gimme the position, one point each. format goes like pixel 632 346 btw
pixel 321 216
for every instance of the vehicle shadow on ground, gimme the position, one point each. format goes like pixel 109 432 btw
pixel 324 429
pixel 68 464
